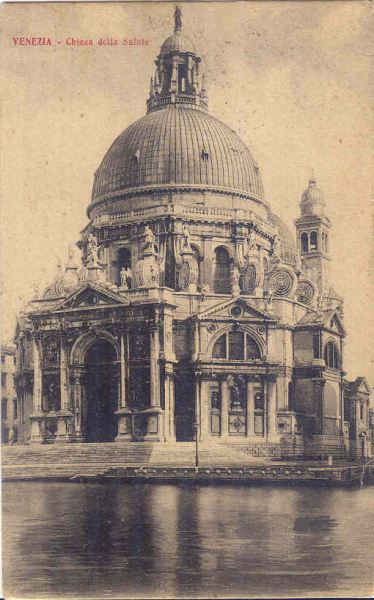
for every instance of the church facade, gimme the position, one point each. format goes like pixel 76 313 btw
pixel 194 311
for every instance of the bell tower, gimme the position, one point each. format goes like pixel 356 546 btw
pixel 313 233
pixel 177 78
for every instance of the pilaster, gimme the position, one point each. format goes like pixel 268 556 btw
pixel 271 395
pixel 224 408
pixel 123 413
pixel 250 409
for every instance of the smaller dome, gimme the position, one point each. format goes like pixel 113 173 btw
pixel 312 192
pixel 287 243
pixel 177 43
pixel 312 201
pixel 62 284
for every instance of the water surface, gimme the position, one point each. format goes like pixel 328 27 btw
pixel 128 541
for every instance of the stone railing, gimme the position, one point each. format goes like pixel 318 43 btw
pixel 197 212
pixel 150 294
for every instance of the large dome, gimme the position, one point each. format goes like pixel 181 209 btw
pixel 178 146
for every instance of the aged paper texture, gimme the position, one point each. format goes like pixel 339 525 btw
pixel 187 282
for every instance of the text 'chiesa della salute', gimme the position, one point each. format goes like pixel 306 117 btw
pixel 194 311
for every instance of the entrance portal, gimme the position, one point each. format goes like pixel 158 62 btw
pixel 101 392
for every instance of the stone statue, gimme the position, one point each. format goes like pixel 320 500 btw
pixel 298 262
pixel 234 279
pixel 236 399
pixel 276 246
pixel 125 277
pixel 92 250
pixel 252 246
pixel 177 19
pixel 186 237
pixel 149 237
pixel 71 255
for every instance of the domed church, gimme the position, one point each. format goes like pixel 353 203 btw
pixel 193 312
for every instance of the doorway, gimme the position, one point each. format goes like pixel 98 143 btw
pixel 101 392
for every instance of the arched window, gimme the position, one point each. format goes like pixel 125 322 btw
pixel 326 242
pixel 236 345
pixel 332 355
pixel 304 242
pixel 221 278
pixel 313 241
pixel 253 351
pixel 219 348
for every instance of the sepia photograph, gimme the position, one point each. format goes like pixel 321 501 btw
pixel 187 405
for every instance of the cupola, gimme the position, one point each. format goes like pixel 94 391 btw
pixel 177 78
pixel 312 201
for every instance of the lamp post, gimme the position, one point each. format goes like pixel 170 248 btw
pixel 196 430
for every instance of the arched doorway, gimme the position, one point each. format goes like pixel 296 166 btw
pixel 101 392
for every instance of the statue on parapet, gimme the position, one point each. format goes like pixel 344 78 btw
pixel 186 238
pixel 252 246
pixel 125 277
pixel 149 238
pixel 276 246
pixel 92 250
pixel 234 280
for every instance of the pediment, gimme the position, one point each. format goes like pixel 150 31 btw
pixel 361 385
pixel 91 296
pixel 336 325
pixel 235 308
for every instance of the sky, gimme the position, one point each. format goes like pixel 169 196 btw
pixel 291 78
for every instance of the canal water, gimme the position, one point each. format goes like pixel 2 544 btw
pixel 129 541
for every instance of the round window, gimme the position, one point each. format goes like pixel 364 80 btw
pixel 236 311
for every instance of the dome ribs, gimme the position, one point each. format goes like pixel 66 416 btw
pixel 224 176
pixel 150 168
pixel 214 158
pixel 187 172
pixel 158 159
pixel 204 146
pixel 165 148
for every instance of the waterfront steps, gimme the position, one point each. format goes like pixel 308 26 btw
pixel 23 461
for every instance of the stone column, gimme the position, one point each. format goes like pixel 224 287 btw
pixel 271 393
pixel 77 406
pixel 224 408
pixel 155 412
pixel 155 368
pixel 64 383
pixel 204 409
pixel 36 419
pixel 123 413
pixel 198 407
pixel 37 391
pixel 250 409
pixel 122 395
pixel 169 404
pixel 64 416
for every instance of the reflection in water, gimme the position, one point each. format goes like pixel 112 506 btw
pixel 103 541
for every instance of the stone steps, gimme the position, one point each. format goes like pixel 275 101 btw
pixel 90 459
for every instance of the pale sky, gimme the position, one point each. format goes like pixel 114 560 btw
pixel 291 78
